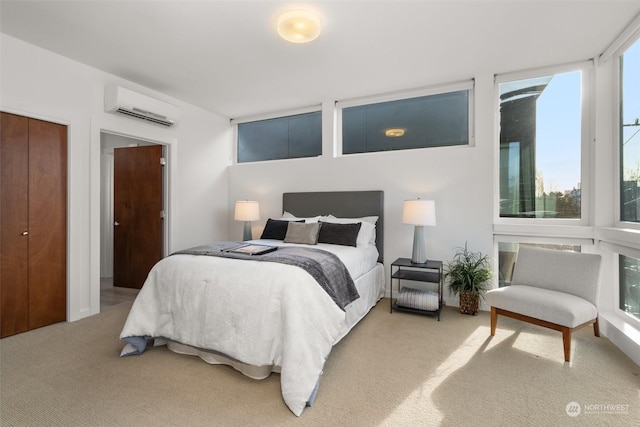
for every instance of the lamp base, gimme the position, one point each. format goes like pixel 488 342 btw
pixel 247 235
pixel 419 255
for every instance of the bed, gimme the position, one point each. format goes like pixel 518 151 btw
pixel 263 317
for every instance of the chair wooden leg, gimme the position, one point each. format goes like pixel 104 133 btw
pixel 494 320
pixel 596 328
pixel 566 340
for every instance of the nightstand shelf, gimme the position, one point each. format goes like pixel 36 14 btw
pixel 428 272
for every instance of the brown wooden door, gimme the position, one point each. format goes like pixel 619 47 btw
pixel 14 214
pixel 138 229
pixel 47 223
pixel 33 231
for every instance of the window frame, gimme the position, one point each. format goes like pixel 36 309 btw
pixel 617 110
pixel 615 249
pixel 468 85
pixel 630 316
pixel 533 225
pixel 275 115
pixel 623 237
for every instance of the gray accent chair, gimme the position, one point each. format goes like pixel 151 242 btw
pixel 550 288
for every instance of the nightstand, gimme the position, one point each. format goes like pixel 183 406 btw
pixel 428 272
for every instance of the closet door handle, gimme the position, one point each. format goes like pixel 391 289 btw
pixel 25 233
pixel 116 224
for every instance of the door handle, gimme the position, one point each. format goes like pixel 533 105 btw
pixel 115 224
pixel 25 233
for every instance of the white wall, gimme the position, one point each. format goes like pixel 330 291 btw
pixel 459 179
pixel 44 85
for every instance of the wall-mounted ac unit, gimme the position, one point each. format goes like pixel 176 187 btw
pixel 133 104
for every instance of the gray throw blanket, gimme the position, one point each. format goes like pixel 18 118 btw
pixel 325 267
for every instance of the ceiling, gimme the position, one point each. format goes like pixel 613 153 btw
pixel 226 56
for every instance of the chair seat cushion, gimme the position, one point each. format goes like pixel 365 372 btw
pixel 544 304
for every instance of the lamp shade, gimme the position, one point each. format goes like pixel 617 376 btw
pixel 419 212
pixel 247 210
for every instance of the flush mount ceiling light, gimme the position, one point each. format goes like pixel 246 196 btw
pixel 394 132
pixel 298 26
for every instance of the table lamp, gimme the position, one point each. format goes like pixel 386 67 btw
pixel 247 211
pixel 419 213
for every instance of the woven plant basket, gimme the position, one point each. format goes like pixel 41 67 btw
pixel 469 303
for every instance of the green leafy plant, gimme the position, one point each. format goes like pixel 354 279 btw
pixel 468 271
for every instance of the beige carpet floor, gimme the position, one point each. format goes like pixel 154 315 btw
pixel 391 370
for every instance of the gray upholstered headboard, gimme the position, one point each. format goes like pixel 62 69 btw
pixel 346 204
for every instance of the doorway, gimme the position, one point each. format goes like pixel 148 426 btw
pixel 132 244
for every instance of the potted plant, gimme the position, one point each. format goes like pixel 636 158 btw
pixel 469 275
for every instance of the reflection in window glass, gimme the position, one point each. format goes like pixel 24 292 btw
pixel 630 285
pixel 540 140
pixel 508 255
pixel 427 121
pixel 630 134
pixel 280 138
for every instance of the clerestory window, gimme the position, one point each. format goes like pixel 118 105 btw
pixel 439 117
pixel 287 137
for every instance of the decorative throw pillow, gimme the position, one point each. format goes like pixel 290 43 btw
pixel 302 233
pixel 367 234
pixel 275 229
pixel 339 234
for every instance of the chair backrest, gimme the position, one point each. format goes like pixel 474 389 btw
pixel 571 272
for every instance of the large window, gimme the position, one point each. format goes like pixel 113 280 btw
pixel 540 146
pixel 630 134
pixel 630 285
pixel 434 120
pixel 280 138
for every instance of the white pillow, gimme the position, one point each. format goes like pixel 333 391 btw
pixel 291 217
pixel 367 233
pixel 371 219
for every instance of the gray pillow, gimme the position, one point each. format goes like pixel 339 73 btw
pixel 299 232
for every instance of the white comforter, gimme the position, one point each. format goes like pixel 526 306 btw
pixel 260 313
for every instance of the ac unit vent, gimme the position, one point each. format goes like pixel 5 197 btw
pixel 145 115
pixel 124 101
